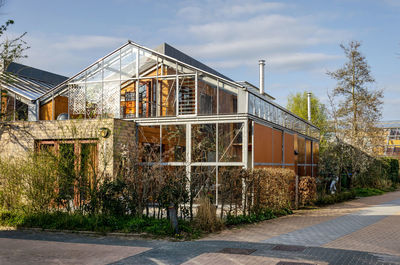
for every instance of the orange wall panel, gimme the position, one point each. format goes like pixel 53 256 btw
pixel 289 148
pixel 60 106
pixel 262 144
pixel 308 152
pixel 277 146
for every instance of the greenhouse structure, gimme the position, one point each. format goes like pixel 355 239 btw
pixel 182 111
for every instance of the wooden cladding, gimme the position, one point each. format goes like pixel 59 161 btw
pixel 60 106
pixel 275 148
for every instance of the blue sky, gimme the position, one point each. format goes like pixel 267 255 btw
pixel 299 39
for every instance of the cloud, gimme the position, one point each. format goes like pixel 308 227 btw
pixel 68 54
pixel 211 10
pixel 237 34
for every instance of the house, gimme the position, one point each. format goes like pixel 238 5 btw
pixel 391 145
pixel 184 112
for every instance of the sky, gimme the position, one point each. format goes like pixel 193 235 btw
pixel 299 39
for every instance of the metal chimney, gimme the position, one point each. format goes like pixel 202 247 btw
pixel 261 64
pixel 309 106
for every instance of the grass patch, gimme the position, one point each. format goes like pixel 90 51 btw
pixel 98 223
pixel 366 192
pixel 256 217
pixel 336 198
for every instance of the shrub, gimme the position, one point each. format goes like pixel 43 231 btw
pixel 335 198
pixel 365 192
pixel 206 217
pixel 272 188
pixel 307 190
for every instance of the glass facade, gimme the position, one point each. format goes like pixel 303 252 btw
pixel 133 82
pixel 272 113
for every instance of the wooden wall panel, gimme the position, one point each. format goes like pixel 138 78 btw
pixel 289 148
pixel 315 152
pixel 277 146
pixel 149 134
pixel 262 144
pixel 301 150
pixel 308 152
pixel 60 106
pixel 45 111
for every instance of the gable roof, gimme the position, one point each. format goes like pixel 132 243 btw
pixel 29 82
pixel 35 74
pixel 170 51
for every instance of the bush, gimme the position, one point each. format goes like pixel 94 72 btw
pixel 272 188
pixel 365 192
pixel 98 223
pixel 307 190
pixel 206 217
pixel 336 198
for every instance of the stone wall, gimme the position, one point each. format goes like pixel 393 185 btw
pixel 18 139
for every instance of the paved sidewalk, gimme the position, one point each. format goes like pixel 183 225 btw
pixel 334 226
pixel 364 231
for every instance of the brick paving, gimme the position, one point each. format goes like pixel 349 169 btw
pixel 381 237
pixel 300 220
pixel 328 231
pixel 232 259
pixel 364 231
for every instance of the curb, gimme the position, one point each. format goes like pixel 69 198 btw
pixel 141 235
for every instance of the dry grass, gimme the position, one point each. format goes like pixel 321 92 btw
pixel 206 218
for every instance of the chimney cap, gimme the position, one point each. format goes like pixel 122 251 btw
pixel 261 61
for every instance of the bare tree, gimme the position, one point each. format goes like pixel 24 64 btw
pixel 358 105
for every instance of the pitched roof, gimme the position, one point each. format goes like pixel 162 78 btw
pixel 168 50
pixel 29 82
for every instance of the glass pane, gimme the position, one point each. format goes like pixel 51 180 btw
pixel 173 143
pixel 227 99
pixel 203 143
pixel 76 101
pixel 128 99
pixel 112 67
pixel 147 98
pixel 21 110
pixel 93 100
pixel 207 95
pixel 187 99
pixel 149 140
pixel 168 98
pixel 230 142
pixel 147 62
pixel 203 182
pixel 251 104
pixel 128 62
pixel 94 73
pixel 111 97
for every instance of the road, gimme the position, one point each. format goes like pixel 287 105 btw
pixel 363 231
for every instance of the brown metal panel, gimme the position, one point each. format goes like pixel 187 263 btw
pixel 45 111
pixel 301 171
pixel 289 148
pixel 277 146
pixel 262 144
pixel 315 153
pixel 308 170
pixel 301 150
pixel 149 134
pixel 296 156
pixel 308 152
